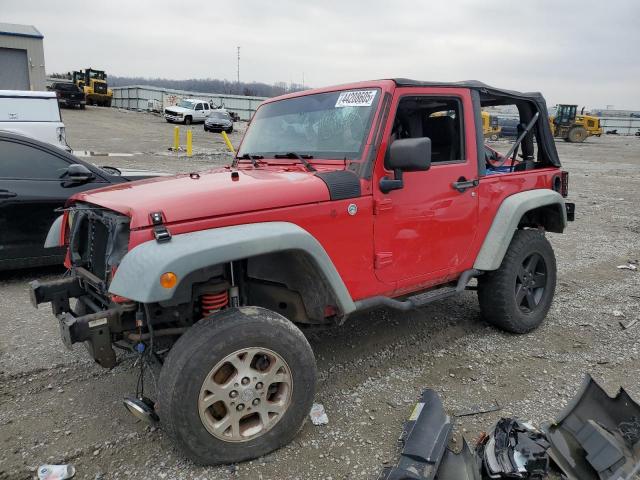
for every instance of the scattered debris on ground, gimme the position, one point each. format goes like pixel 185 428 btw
pixel 318 415
pixel 56 472
pixel 596 437
pixel 606 429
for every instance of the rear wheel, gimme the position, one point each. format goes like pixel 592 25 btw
pixel 239 384
pixel 577 135
pixel 518 295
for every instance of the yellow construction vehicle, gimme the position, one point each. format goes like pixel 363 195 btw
pixel 94 84
pixel 574 127
pixel 490 126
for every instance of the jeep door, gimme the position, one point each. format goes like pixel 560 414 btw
pixel 424 230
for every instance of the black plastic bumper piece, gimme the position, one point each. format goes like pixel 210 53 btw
pixel 424 440
pixel 571 211
pixel 596 437
pixel 58 292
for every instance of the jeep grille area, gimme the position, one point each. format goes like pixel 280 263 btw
pixel 98 240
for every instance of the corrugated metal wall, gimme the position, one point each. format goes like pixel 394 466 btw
pixel 624 125
pixel 141 97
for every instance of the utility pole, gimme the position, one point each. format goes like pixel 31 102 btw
pixel 238 49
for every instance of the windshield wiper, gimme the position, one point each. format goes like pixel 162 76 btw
pixel 302 158
pixel 249 156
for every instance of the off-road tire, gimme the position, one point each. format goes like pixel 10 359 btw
pixel 497 289
pixel 577 135
pixel 200 349
pixel 188 120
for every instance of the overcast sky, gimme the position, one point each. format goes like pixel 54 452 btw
pixel 583 52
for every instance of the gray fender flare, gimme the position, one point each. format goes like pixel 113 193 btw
pixel 138 275
pixel 53 237
pixel 506 222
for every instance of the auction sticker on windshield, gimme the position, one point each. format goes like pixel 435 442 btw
pixel 356 98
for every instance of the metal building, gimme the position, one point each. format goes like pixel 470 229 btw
pixel 21 58
pixel 155 99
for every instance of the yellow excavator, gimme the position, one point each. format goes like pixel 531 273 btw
pixel 490 126
pixel 572 126
pixel 94 84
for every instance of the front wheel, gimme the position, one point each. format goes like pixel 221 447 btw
pixel 187 120
pixel 239 384
pixel 518 295
pixel 229 130
pixel 577 135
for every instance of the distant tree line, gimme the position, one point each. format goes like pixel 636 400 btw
pixel 210 85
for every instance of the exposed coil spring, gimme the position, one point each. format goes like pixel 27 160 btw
pixel 212 302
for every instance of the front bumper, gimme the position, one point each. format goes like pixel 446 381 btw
pixel 173 118
pixel 68 102
pixel 95 329
pixel 212 126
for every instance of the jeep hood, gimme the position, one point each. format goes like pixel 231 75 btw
pixel 208 194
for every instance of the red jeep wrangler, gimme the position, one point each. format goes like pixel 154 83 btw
pixel 340 199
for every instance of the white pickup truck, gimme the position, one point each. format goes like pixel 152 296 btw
pixel 188 111
pixel 34 114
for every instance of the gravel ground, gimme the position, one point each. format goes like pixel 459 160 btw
pixel 57 406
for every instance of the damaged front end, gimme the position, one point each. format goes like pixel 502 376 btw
pixel 98 240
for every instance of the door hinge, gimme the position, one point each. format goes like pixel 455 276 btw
pixel 160 231
pixel 383 259
pixel 382 205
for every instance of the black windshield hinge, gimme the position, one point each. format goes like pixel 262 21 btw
pixel 160 231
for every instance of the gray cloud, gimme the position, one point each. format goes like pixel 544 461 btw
pixel 573 51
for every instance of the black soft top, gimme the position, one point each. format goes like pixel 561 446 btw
pixel 528 104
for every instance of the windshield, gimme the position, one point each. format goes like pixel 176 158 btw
pixel 69 87
pixel 327 125
pixel 220 115
pixel 186 104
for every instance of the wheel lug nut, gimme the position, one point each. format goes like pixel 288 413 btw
pixel 245 381
pixel 259 385
pixel 256 401
pixel 240 407
pixel 233 394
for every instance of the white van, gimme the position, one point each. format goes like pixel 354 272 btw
pixel 34 114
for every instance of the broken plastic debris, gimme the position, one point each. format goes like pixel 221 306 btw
pixel 478 409
pixel 515 450
pixel 629 266
pixel 628 325
pixel 318 415
pixel 56 472
pixel 618 313
pixel 597 436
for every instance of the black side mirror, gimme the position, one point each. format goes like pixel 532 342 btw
pixel 78 173
pixel 406 155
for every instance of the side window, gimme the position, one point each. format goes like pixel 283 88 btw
pixel 438 118
pixel 206 106
pixel 25 162
pixel 199 106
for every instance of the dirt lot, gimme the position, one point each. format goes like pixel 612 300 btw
pixel 57 406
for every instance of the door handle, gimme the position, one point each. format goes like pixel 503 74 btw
pixel 463 184
pixel 7 194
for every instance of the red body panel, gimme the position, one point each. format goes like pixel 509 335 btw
pixel 424 234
